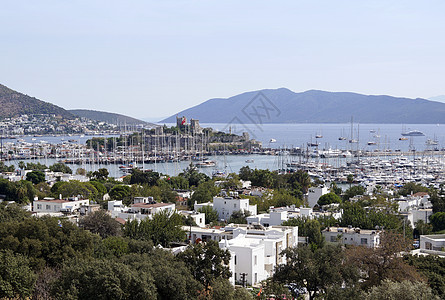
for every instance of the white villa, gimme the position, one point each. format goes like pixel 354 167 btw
pixel 352 236
pixel 255 250
pixel 143 207
pixel 50 206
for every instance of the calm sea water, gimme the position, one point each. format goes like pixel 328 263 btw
pixel 386 136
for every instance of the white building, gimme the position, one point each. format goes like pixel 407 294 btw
pixel 352 236
pixel 415 214
pixel 314 193
pixel 277 216
pixel 143 207
pixel 199 218
pixel 433 243
pixel 255 250
pixel 274 218
pixel 418 200
pixel 54 206
pixel 226 206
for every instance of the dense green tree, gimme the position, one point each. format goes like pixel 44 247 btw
pixel 5 168
pixel 412 187
pixel 304 225
pixel 171 276
pixel 437 198
pixel 245 173
pixel 399 290
pixel 21 191
pixel 438 221
pixel 211 215
pixel 116 246
pixel 75 188
pixel 314 237
pixel 103 279
pixel 141 177
pixel 36 166
pixel 60 167
pixel 163 229
pixel 433 268
pixel 119 192
pixel 315 270
pixel 239 217
pixel 101 223
pixel 353 191
pixel 264 178
pixel 204 193
pixel 207 262
pixel 329 198
pixel 178 182
pixel 193 176
pixel 283 197
pixel 35 177
pixel 101 189
pixel 16 277
pixel 101 174
pixel 46 240
pixel 12 212
pixel 301 179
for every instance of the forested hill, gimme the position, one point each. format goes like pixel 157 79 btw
pixel 14 104
pixel 110 118
pixel 285 106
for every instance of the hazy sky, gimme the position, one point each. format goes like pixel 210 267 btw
pixel 155 58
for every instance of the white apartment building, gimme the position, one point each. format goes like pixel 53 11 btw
pixel 54 206
pixel 255 250
pixel 226 206
pixel 352 236
pixel 314 193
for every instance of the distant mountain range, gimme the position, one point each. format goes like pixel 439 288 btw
pixel 111 118
pixel 14 104
pixel 285 106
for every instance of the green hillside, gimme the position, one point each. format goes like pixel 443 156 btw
pixel 14 104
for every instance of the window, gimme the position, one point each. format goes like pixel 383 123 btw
pixel 235 259
pixel 428 246
pixel 48 207
pixel 234 205
pixel 364 241
pixel 39 206
pixel 256 277
pixel 255 260
pixel 333 238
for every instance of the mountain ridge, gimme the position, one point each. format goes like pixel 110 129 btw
pixel 112 118
pixel 314 106
pixel 14 104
